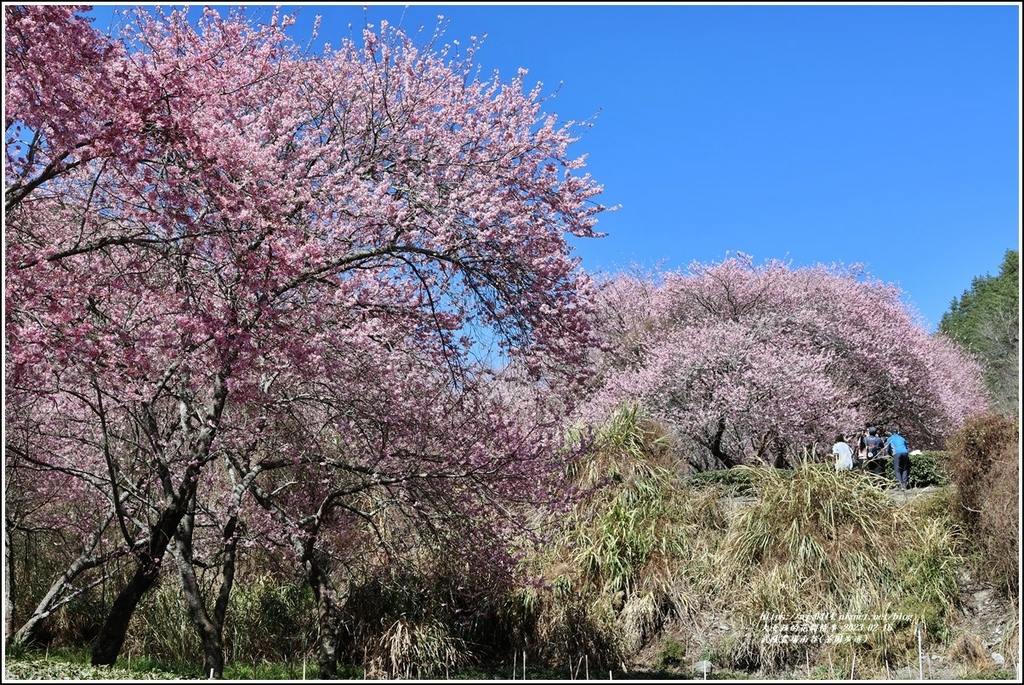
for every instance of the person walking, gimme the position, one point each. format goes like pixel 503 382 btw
pixel 843 454
pixel 873 443
pixel 896 445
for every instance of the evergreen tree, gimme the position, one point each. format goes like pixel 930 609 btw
pixel 985 321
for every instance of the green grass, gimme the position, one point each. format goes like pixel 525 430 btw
pixel 999 674
pixel 74 664
pixel 283 671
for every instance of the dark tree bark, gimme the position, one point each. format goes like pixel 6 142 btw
pixel 318 577
pixel 9 586
pixel 210 625
pixel 115 627
pixel 715 445
pixel 178 501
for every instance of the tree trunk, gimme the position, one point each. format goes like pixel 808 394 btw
pixel 213 655
pixel 318 577
pixel 115 628
pixel 328 659
pixel 210 632
pixel 209 627
pixel 715 446
pixel 8 585
pixel 326 618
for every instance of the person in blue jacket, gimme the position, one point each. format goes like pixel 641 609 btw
pixel 896 445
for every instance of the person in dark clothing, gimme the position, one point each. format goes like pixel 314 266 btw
pixel 873 455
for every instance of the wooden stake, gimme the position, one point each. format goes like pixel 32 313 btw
pixel 920 652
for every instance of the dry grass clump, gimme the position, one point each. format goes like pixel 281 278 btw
pixel 999 527
pixel 967 649
pixel 821 565
pixel 560 623
pixel 823 562
pixel 984 461
pixel 630 447
pixel 406 623
pixel 1010 644
pixel 822 532
pixel 632 553
pixel 416 647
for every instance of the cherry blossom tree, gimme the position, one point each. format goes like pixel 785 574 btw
pixel 202 221
pixel 59 510
pixel 759 362
pixel 408 472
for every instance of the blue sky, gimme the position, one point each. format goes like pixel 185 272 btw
pixel 887 135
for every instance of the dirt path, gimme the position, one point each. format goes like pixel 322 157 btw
pixel 904 496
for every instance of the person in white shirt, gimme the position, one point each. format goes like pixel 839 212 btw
pixel 843 454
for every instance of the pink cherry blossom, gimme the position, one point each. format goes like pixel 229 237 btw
pixel 750 362
pixel 227 257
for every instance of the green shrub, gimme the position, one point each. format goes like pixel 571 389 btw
pixel 672 656
pixel 733 482
pixel 928 469
pixel 161 628
pixel 742 481
pixel 269 621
